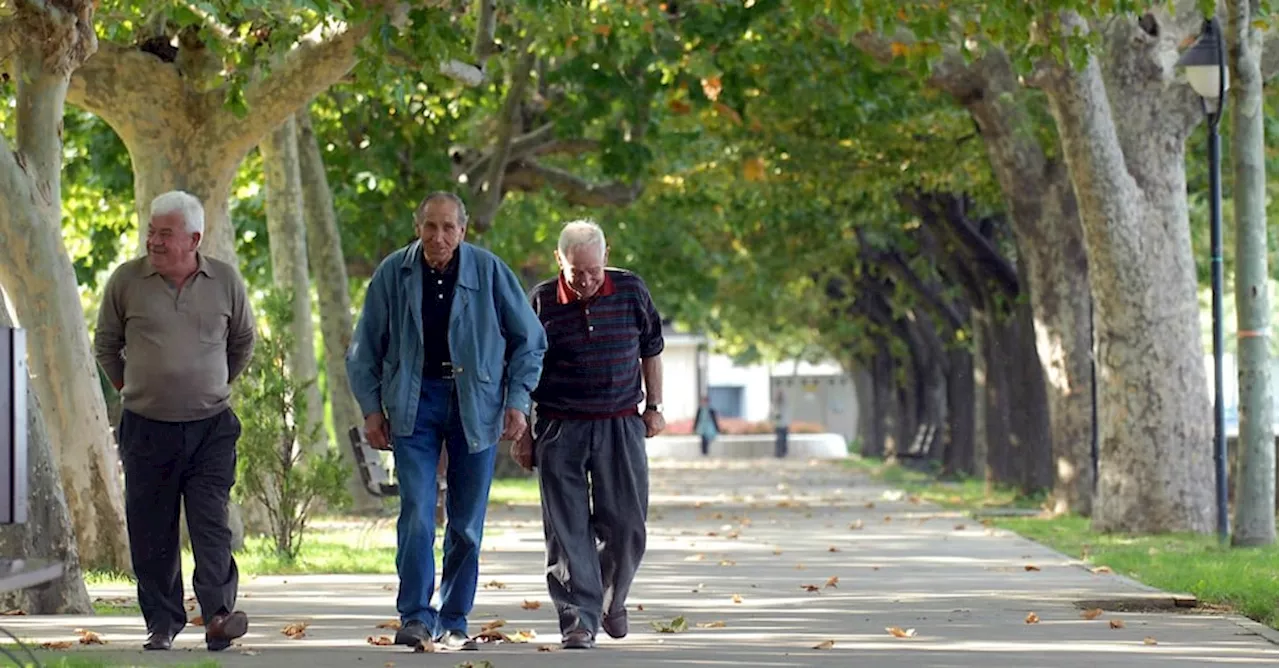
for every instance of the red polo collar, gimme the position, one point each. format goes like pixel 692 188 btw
pixel 566 295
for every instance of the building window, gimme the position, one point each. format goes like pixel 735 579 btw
pixel 726 399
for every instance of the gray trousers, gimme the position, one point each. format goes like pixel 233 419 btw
pixel 594 479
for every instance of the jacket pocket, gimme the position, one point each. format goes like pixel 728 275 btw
pixel 213 327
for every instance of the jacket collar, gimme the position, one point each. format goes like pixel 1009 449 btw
pixel 202 266
pixel 468 276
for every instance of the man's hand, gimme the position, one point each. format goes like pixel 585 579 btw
pixel 377 431
pixel 654 423
pixel 514 425
pixel 522 451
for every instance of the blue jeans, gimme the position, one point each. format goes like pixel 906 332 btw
pixel 439 424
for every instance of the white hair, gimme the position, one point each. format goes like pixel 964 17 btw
pixel 581 233
pixel 177 201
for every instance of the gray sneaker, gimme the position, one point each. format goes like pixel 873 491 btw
pixel 456 640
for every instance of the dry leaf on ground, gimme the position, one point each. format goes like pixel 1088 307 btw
pixel 959 527
pixel 1031 567
pixel 548 648
pixel 898 632
pixel 522 636
pixel 639 607
pixel 888 518
pixel 800 567
pixel 696 557
pixel 728 562
pixel 60 644
pixel 393 624
pixel 1091 614
pixel 811 588
pixel 856 525
pixel 1116 623
pixel 1148 640
pixel 833 548
pixel 677 625
pixel 90 638
pixel 832 581
pixel 296 630
pixel 531 605
pixel 380 641
pixel 825 644
pixel 1101 570
pixel 870 504
pixel 494 584
pixel 495 624
pixel 737 598
pixel 711 625
pixel 913 499
pixel 15 611
pixel 196 621
pixel 388 587
pixel 1032 618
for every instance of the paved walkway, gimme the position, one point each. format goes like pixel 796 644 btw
pixel 733 546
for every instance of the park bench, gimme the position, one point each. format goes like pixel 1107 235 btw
pixel 377 479
pixel 922 444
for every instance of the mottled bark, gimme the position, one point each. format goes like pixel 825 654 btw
pixel 1123 123
pixel 329 273
pixel 47 533
pixel 36 272
pixel 287 238
pixel 1255 480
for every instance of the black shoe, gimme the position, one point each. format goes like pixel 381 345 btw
pixel 159 640
pixel 615 625
pixel 220 631
pixel 413 633
pixel 578 639
pixel 457 640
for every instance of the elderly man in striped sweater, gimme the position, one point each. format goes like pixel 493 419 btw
pixel 604 337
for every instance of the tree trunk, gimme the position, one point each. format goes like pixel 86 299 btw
pixel 47 533
pixel 958 460
pixel 981 447
pixel 998 355
pixel 1050 239
pixel 1255 512
pixel 1028 410
pixel 878 419
pixel 329 272
pixel 286 234
pixel 864 397
pixel 200 167
pixel 1123 140
pixel 37 274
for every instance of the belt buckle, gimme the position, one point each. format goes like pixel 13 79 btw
pixel 446 369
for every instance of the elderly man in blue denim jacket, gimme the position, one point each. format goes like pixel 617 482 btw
pixel 445 355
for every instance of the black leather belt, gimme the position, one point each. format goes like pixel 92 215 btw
pixel 443 371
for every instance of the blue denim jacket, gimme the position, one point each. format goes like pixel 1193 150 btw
pixel 495 340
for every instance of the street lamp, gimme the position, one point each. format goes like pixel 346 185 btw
pixel 1206 69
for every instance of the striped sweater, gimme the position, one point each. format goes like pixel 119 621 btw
pixel 594 347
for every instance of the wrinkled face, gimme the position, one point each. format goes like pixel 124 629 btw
pixel 440 231
pixel 583 269
pixel 169 244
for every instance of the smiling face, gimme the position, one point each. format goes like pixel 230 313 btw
pixel 583 268
pixel 440 230
pixel 169 245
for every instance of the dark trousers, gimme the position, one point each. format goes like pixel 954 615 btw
pixel 167 463
pixel 468 475
pixel 594 479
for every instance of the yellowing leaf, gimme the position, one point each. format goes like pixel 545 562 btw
pixel 832 581
pixel 1091 614
pixel 711 87
pixel 825 644
pixel 1032 618
pixel 296 630
pixel 898 632
pixel 898 49
pixel 736 598
pixel 753 169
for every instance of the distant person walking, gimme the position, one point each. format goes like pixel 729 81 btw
pixel 781 425
pixel 706 424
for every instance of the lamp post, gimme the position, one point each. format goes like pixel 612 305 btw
pixel 1206 68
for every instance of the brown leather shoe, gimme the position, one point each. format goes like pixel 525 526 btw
pixel 578 639
pixel 615 625
pixel 222 629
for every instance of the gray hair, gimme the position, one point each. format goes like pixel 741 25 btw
pixel 583 232
pixel 177 201
pixel 445 195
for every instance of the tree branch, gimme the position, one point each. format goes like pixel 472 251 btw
pixel 521 147
pixel 490 189
pixel 529 176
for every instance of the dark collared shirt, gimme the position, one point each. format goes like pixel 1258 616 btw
pixel 437 299
pixel 594 346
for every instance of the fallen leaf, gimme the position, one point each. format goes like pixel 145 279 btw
pixel 639 607
pixel 522 636
pixel 898 632
pixel 825 644
pixel 696 557
pixel 495 624
pixel 196 621
pixel 728 562
pixel 913 499
pixel 1116 623
pixel 677 625
pixel 811 588
pixel 1031 567
pixel 1101 570
pixel 833 548
pixel 531 605
pixel 1032 618
pixel 832 581
pixel 888 518
pixel 1148 640
pixel 424 648
pixel 90 638
pixel 800 567
pixel 548 648
pixel 388 587
pixel 393 624
pixel 15 611
pixel 1091 614
pixel 959 527
pixel 296 630
pixel 380 641
pixel 60 644
pixel 711 625
pixel 870 504
pixel 736 598
pixel 494 584
pixel 856 525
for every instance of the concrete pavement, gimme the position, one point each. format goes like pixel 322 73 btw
pixel 764 561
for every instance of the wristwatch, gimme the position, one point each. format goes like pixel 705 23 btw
pixel 657 408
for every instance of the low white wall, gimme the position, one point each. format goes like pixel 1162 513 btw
pixel 750 446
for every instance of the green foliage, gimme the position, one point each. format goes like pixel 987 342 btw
pixel 272 470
